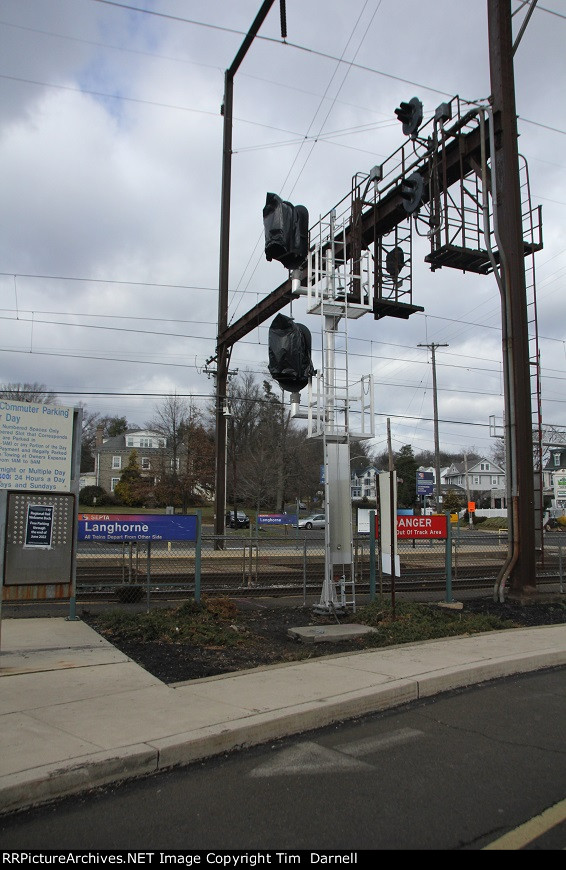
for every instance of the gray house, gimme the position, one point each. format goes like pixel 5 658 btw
pixel 483 479
pixel 111 456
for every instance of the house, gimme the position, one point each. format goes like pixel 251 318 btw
pixel 483 481
pixel 554 476
pixel 111 456
pixel 363 483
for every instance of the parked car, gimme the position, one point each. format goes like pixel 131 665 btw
pixel 314 521
pixel 240 521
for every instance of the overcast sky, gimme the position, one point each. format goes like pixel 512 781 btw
pixel 111 157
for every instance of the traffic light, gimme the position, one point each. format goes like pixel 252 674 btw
pixel 290 361
pixel 286 229
pixel 411 116
pixel 412 189
pixel 394 262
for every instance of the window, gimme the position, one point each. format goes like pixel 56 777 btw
pixel 476 479
pixel 556 459
pixel 116 462
pixel 129 441
pixel 494 481
pixel 145 442
pixel 145 463
pixel 484 466
pixel 113 482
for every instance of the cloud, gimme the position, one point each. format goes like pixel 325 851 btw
pixel 111 148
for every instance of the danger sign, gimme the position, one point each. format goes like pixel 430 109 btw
pixel 433 526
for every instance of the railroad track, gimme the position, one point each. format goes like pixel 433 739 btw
pixel 103 586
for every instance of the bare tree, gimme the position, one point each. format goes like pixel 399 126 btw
pixel 171 416
pixel 28 393
pixel 187 472
pixel 111 426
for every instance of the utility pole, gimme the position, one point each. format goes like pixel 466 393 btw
pixel 432 347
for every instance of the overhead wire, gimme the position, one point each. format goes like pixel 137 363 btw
pixel 125 6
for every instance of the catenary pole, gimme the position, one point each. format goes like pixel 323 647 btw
pixel 223 348
pixel 521 569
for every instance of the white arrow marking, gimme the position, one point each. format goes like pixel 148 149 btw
pixel 309 757
pixel 376 744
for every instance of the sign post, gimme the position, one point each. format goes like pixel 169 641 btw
pixel 448 599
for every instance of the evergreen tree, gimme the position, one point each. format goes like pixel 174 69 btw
pixel 406 466
pixel 132 489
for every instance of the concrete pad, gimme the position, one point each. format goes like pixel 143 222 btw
pixel 40 661
pixel 48 633
pixel 134 717
pixel 273 689
pixel 26 692
pixel 53 644
pixel 332 633
pixel 436 657
pixel 28 742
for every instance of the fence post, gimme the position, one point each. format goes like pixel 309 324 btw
pixel 448 598
pixel 148 574
pixel 305 572
pixel 372 555
pixel 198 555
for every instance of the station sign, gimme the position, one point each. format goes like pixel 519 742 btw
pixel 425 483
pixel 277 519
pixel 136 527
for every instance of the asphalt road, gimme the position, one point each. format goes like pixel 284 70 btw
pixel 480 768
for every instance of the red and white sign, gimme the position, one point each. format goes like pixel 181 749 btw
pixel 433 526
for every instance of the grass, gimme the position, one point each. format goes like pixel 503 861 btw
pixel 210 623
pixel 414 622
pixel 218 623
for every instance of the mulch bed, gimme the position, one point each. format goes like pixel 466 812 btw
pixel 271 644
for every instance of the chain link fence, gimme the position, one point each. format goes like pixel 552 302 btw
pixel 276 564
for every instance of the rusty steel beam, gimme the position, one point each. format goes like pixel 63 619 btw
pixel 270 304
pixel 378 220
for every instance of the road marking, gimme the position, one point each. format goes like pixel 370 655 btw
pixel 309 757
pixel 376 744
pixel 531 830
